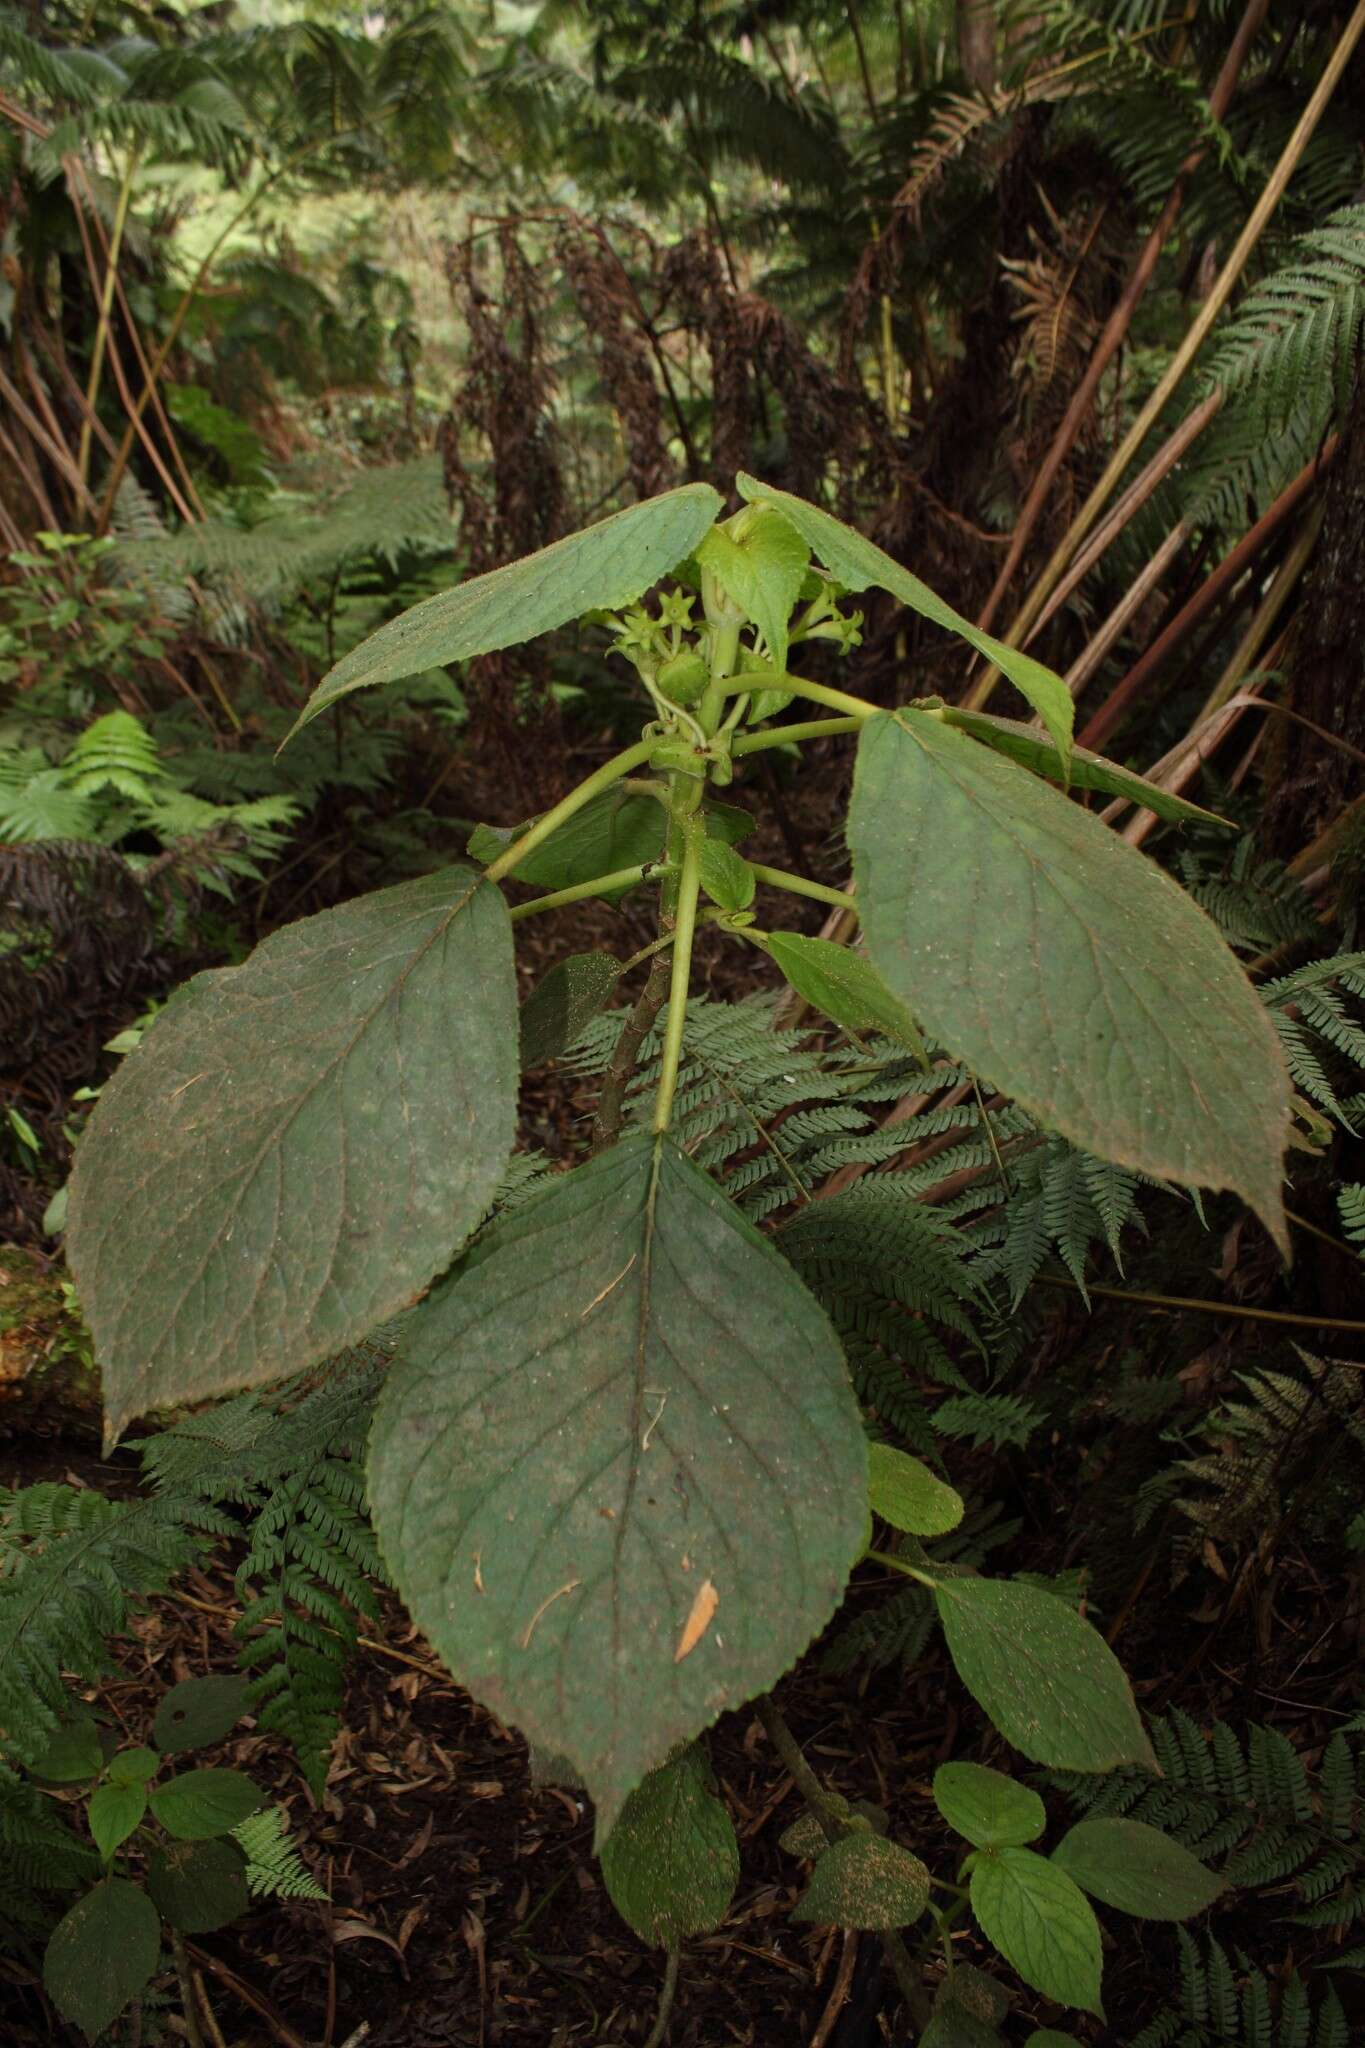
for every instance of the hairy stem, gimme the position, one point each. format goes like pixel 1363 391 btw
pixel 685 925
pixel 619 878
pixel 819 693
pixel 794 734
pixel 606 1124
pixel 829 1814
pixel 799 885
pixel 660 2028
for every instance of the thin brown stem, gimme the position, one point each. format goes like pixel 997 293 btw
pixel 606 1124
pixel 829 1812
pixel 193 2031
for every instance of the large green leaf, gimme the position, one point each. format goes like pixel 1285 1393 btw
pixel 617 1470
pixel 671 1862
pixel 1063 965
pixel 864 1881
pixel 298 1144
pixel 198 1886
pixel 606 565
pixel 1137 1869
pixel 1041 1922
pixel 1050 1682
pixel 1019 742
pixel 199 1711
pixel 859 563
pixel 198 1805
pixel 101 1955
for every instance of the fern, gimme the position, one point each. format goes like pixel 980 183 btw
pixel 1226 2002
pixel 383 514
pixel 1284 365
pixel 1276 1439
pixel 1300 327
pixel 288 1462
pixel 1252 1801
pixel 1257 904
pixel 274 1868
pixel 1323 1041
pixel 70 1563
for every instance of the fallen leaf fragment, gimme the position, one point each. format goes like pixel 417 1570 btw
pixel 699 1619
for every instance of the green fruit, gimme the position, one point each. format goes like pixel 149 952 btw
pixel 682 678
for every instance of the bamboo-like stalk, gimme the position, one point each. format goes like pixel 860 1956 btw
pixel 1136 595
pixel 139 425
pixel 1189 348
pixel 1119 321
pixel 106 306
pixel 1266 614
pixel 1129 505
pixel 76 171
pixel 1210 592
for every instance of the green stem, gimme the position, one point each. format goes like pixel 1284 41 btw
pixel 724 653
pixel 619 878
pixel 898 1564
pixel 779 679
pixel 794 734
pixel 648 952
pixel 593 785
pixel 685 927
pixel 798 885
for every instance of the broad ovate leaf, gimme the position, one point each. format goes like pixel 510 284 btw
pixel 1047 1679
pixel 198 1805
pixel 671 1863
pixel 1137 1869
pixel 905 1493
pixel 1041 1922
pixel 988 1809
pixel 1063 965
pixel 617 1470
pixel 859 564
pixel 845 987
pixel 867 1882
pixel 199 1711
pixel 606 565
pixel 197 1886
pixel 563 1002
pixel 298 1144
pixel 102 1954
pixel 1034 751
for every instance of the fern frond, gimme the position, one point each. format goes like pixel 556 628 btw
pixel 274 1868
